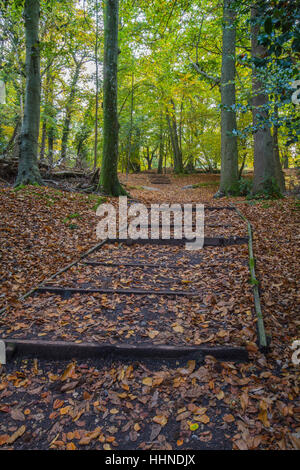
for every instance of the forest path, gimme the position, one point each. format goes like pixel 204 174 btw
pixel 190 402
pixel 171 297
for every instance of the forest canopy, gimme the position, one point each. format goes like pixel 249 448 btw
pixel 199 83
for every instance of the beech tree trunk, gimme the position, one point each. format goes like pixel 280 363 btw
pixel 264 163
pixel 108 181
pixel 28 171
pixel 229 146
pixel 97 88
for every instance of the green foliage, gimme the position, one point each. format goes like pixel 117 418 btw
pixel 271 191
pixel 296 205
pixel 20 187
pixel 69 217
pixel 254 281
pixel 27 189
pixel 73 226
pixel 99 200
pixel 159 46
pixel 242 187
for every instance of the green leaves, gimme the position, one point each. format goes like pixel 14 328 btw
pixel 268 25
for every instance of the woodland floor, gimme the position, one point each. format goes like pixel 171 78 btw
pixel 166 404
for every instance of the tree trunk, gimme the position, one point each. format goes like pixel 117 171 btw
pixel 160 157
pixel 149 159
pixel 51 126
pixel 178 165
pixel 46 106
pixel 242 166
pixel 161 148
pixel 229 147
pixel 28 171
pixel 43 140
pixel 50 145
pixel 264 165
pixel 278 168
pixel 97 88
pixel 69 110
pixel 128 165
pixel 108 181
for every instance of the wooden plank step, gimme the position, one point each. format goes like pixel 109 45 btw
pixel 160 225
pixel 214 241
pixel 132 265
pixel 60 350
pixel 152 181
pixel 68 291
pixel 206 208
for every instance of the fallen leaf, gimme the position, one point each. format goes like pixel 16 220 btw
pixel 155 430
pixel 228 418
pixel 17 415
pixel 160 419
pixel 17 434
pixel 147 381
pixel 69 372
pixel 58 404
pixel 71 446
pixel 65 410
pixel 4 439
pixel 153 333
pixel 204 419
pixel 241 444
pixel 194 426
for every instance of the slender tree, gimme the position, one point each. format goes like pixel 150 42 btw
pixel 128 164
pixel 175 138
pixel 161 146
pixel 229 146
pixel 44 114
pixel 51 124
pixel 108 182
pixel 69 107
pixel 28 171
pixel 97 86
